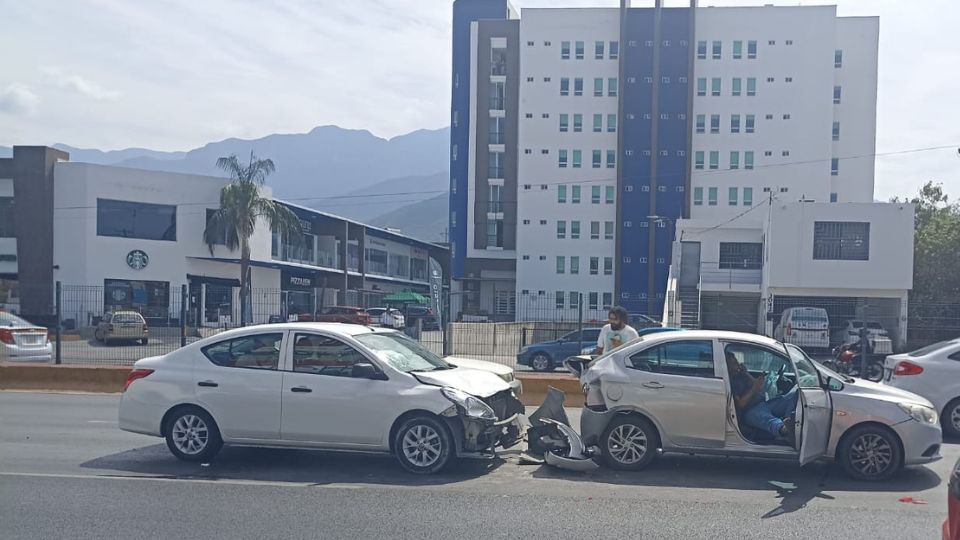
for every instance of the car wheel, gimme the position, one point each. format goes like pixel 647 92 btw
pixel 144 341
pixel 423 445
pixel 192 435
pixel 870 453
pixel 629 443
pixel 541 362
pixel 97 336
pixel 950 419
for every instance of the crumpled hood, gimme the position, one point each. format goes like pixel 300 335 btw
pixel 871 390
pixel 481 365
pixel 606 369
pixel 482 384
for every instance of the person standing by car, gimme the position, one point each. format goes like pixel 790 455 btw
pixel 773 416
pixel 617 332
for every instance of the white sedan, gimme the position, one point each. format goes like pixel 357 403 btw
pixel 317 385
pixel 934 373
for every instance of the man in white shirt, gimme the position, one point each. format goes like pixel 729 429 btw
pixel 617 332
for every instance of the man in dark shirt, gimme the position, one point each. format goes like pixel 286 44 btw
pixel 774 416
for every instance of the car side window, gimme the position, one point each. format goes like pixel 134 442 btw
pixel 323 355
pixel 955 356
pixel 259 351
pixel 591 336
pixel 758 359
pixel 684 358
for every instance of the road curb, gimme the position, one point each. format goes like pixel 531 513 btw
pixel 110 379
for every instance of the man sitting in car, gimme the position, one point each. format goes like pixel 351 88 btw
pixel 775 416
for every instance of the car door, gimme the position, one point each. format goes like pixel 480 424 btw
pixel 238 381
pixel 323 403
pixel 677 383
pixel 814 408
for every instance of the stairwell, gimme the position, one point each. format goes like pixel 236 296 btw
pixel 689 307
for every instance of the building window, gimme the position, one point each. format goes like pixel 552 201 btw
pixel 612 86
pixel 737 50
pixel 701 123
pixel 712 196
pixel 833 197
pixel 732 196
pixel 578 86
pixel 598 50
pixel 611 159
pixel 577 161
pixel 750 126
pixel 574 298
pixel 698 196
pixel 715 86
pixel 609 190
pixel 608 230
pixel 544 151
pixel 564 86
pixel 836 131
pixel 736 86
pixel 595 193
pixel 574 230
pixel 526 257
pixel 561 229
pixel 126 219
pixel 597 159
pixel 751 49
pixel 698 159
pixel 526 187
pixel 529 115
pixel 612 123
pixel 562 159
pixel 559 297
pixel 664 116
pixel 769 117
pixel 594 301
pixel 734 159
pixel 495 233
pixel 748 159
pixel 545 115
pixel 607 300
pixel 716 49
pixel 561 193
pixel 527 151
pixel 701 50
pixel 614 50
pixel 834 166
pixel 594 267
pixel 498 95
pixel 495 162
pixel 841 241
pixel 741 255
pixel 579 50
pixel 529 79
pixel 751 86
pixel 789 42
pixel 577 123
pixel 714 159
pixel 770 79
pixel 734 123
pixel 788 79
pixel 665 80
pixel 496 131
pixel 838 58
pixel 701 86
pixel 561 264
pixel 714 123
pixel 594 230
pixel 565 50
pixel 597 123
pixel 575 264
pixel 564 122
pixel 771 42
pixel 836 95
pixel 598 86
pixel 526 222
pixel 786 116
pixel 785 153
pixel 575 195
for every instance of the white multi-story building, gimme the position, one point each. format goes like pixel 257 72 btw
pixel 611 142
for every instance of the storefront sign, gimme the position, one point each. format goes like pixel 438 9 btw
pixel 301 281
pixel 436 288
pixel 137 259
pixel 296 282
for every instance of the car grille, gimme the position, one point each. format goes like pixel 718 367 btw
pixel 503 404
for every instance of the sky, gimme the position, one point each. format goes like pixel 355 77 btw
pixel 175 74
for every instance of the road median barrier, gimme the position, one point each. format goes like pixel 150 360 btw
pixel 70 378
pixel 535 387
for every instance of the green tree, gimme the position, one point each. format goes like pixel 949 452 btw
pixel 241 207
pixel 936 245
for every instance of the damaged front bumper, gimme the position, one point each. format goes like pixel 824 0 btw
pixel 551 437
pixel 479 437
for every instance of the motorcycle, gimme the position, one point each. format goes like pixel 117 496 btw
pixel 847 360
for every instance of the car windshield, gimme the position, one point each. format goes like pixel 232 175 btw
pixel 874 325
pixel 127 318
pixel 401 352
pixel 923 351
pixel 10 320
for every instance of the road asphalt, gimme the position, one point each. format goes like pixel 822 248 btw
pixel 66 471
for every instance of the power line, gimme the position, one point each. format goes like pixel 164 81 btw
pixel 731 220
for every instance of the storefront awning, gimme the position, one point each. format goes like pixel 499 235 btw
pixel 407 297
pixel 210 280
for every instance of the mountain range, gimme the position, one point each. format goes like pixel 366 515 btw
pixel 351 173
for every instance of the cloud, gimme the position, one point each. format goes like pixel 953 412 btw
pixel 18 99
pixel 80 85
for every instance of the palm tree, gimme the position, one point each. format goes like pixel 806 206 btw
pixel 241 206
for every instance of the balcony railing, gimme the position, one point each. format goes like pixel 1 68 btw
pixel 737 274
pixel 496 103
pixel 300 255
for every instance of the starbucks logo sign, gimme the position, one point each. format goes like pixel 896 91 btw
pixel 137 259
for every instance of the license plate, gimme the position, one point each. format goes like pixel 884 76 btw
pixel 30 340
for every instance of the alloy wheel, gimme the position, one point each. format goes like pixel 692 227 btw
pixel 190 434
pixel 871 454
pixel 627 444
pixel 955 417
pixel 540 362
pixel 422 445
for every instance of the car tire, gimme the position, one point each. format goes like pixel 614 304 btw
pixel 192 434
pixel 541 362
pixel 870 453
pixel 629 443
pixel 423 445
pixel 97 336
pixel 144 341
pixel 950 419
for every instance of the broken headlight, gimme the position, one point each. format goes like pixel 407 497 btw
pixel 472 406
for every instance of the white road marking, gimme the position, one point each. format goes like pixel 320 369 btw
pixel 222 481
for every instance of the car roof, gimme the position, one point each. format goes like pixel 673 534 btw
pixel 344 329
pixel 125 312
pixel 711 334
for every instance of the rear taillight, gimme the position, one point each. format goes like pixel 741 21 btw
pixel 134 375
pixel 907 368
pixel 145 330
pixel 6 336
pixel 789 330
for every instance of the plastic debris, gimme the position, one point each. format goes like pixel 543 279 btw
pixel 910 500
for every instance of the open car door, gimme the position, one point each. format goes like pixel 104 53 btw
pixel 815 414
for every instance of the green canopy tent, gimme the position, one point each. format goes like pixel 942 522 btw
pixel 406 297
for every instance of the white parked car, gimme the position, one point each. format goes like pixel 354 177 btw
pixel 504 372
pixel 806 327
pixel 879 338
pixel 934 373
pixel 317 385
pixel 21 341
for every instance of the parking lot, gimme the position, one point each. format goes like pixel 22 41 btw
pixel 64 454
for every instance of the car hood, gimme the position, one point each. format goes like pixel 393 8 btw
pixel 481 365
pixel 871 390
pixel 482 384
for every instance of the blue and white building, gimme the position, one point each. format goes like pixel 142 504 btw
pixel 591 146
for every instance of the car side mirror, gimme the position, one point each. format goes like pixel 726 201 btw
pixel 832 384
pixel 367 371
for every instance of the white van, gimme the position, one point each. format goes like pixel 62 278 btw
pixel 806 327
